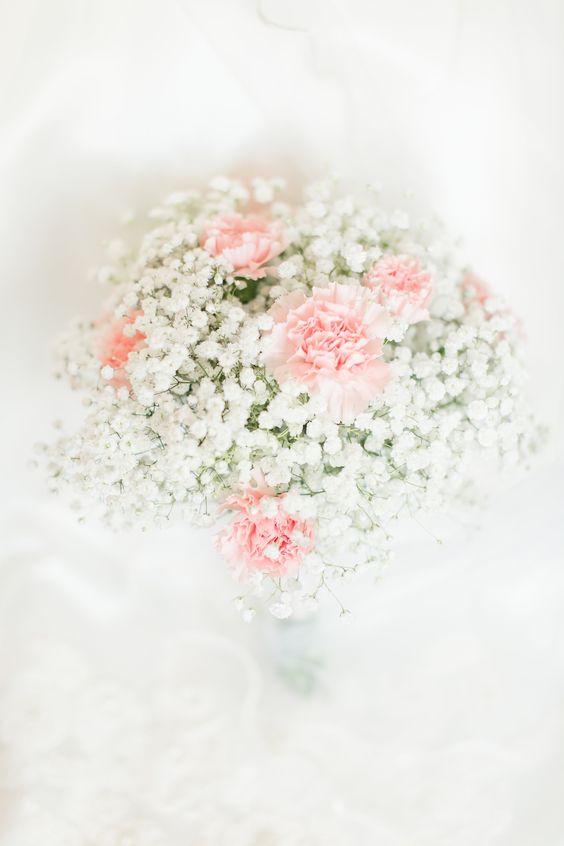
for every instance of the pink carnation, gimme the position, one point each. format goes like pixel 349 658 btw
pixel 482 292
pixel 253 541
pixel 332 343
pixel 115 348
pixel 401 286
pixel 246 242
pixel 480 288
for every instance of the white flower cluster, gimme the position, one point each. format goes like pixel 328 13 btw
pixel 183 413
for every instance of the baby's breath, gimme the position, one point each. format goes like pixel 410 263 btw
pixel 194 414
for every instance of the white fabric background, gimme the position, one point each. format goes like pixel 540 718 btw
pixel 133 703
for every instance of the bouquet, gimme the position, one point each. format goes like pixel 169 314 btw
pixel 304 375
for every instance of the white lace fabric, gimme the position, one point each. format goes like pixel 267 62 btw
pixel 139 709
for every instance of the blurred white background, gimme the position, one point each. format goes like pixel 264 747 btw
pixel 133 702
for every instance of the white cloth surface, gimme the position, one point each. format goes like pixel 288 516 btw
pixel 135 707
